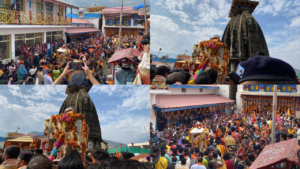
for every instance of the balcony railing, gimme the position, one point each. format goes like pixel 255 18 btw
pixel 23 18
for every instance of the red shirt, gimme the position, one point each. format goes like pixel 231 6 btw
pixel 229 164
pixel 235 136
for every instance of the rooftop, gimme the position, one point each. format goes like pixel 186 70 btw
pixel 126 11
pixel 242 4
pixel 181 102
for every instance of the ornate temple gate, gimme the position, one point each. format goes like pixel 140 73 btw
pixel 260 104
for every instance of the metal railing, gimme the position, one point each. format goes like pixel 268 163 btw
pixel 23 18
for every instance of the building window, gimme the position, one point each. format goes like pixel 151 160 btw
pixel 54 36
pixel 30 39
pixel 62 11
pixel 22 5
pixel 117 21
pixel 4 47
pixel 136 17
pixel 110 22
pixel 126 21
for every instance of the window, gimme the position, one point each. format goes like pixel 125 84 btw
pixel 54 36
pixel 39 5
pixel 29 39
pixel 22 5
pixel 136 17
pixel 4 47
pixel 4 4
pixel 126 21
pixel 110 22
pixel 62 11
pixel 117 21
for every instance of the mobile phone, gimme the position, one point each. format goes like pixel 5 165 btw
pixel 76 65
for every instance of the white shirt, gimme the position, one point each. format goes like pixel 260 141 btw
pixel 196 166
pixel 145 63
pixel 47 80
pixel 187 164
pixel 32 71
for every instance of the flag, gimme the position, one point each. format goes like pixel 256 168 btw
pixel 186 51
pixel 289 112
pixel 117 153
pixel 234 116
pixel 18 128
pixel 253 119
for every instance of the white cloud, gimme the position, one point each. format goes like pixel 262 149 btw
pixel 139 99
pixel 210 10
pixel 127 126
pixel 38 92
pixel 29 115
pixel 295 22
pixel 167 34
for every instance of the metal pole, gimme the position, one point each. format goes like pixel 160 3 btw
pixel 145 13
pixel 120 29
pixel 274 113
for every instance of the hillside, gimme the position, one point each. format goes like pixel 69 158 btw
pixel 113 145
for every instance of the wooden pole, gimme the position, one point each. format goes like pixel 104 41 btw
pixel 274 114
pixel 120 29
pixel 145 13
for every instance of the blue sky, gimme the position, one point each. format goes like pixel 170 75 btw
pixel 123 111
pixel 176 25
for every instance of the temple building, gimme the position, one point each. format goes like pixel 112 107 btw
pixel 90 14
pixel 36 21
pixel 243 35
pixel 130 17
pixel 170 104
pixel 259 98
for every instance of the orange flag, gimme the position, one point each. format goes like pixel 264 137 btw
pixel 234 116
pixel 253 119
pixel 117 153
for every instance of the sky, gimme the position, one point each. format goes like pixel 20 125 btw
pixel 123 111
pixel 176 25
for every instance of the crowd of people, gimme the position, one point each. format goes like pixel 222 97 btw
pixel 230 141
pixel 43 63
pixel 247 72
pixel 15 158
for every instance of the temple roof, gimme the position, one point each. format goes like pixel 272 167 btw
pixel 240 4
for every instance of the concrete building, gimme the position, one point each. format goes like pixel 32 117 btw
pixel 36 21
pixel 259 98
pixel 130 17
pixel 90 14
pixel 168 106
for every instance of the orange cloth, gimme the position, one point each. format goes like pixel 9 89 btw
pixel 110 82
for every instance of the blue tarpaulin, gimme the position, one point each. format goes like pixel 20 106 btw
pixel 139 6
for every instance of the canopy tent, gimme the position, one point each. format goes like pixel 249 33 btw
pixel 76 21
pixel 124 54
pixel 74 31
pixel 25 139
pixel 140 6
pixel 132 150
pixel 169 103
pixel 277 153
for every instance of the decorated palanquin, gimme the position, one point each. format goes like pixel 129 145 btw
pixel 63 54
pixel 199 136
pixel 63 132
pixel 211 54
